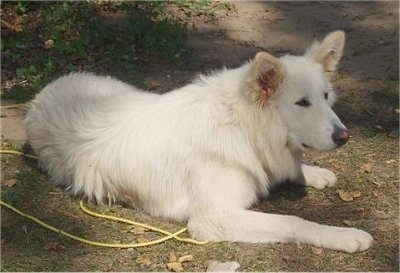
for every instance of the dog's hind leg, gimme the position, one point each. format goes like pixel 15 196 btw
pixel 242 225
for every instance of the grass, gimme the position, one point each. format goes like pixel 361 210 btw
pixel 118 47
pixel 47 39
pixel 59 37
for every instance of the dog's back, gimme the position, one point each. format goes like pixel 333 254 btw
pixel 108 140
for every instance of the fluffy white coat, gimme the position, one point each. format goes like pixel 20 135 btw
pixel 204 152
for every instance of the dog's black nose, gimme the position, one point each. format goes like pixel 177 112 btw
pixel 340 135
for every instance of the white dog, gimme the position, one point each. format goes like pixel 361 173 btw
pixel 204 152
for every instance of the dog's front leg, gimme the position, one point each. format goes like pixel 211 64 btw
pixel 240 225
pixel 317 177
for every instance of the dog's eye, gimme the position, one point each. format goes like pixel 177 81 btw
pixel 303 103
pixel 326 95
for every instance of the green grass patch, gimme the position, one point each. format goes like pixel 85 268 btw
pixel 59 37
pixel 45 40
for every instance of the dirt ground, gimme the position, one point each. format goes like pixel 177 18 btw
pixel 367 83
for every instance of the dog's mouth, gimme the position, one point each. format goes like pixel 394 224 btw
pixel 305 145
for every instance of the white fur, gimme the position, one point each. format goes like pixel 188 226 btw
pixel 202 153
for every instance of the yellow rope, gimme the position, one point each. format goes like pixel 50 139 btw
pixel 18 153
pixel 118 219
pixel 168 236
pixel 90 242
pixel 15 105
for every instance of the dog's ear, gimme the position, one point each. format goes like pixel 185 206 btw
pixel 329 51
pixel 267 75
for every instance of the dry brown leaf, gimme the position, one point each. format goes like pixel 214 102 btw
pixel 337 166
pixel 351 223
pixel 152 84
pixel 366 168
pixel 172 257
pixel 348 196
pixel 48 43
pixel 174 267
pixel 185 258
pixel 377 193
pixel 345 196
pixel 10 182
pixel 144 260
pixel 138 230
pixel 360 209
pixel 16 26
pixel 142 240
pixel 317 250
pixel 356 194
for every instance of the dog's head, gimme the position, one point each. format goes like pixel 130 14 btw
pixel 299 90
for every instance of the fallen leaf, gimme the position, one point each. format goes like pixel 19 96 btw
pixel 16 26
pixel 138 230
pixel 366 168
pixel 348 195
pixel 360 209
pixel 174 267
pixel 336 166
pixel 10 182
pixel 317 250
pixel 152 84
pixel 351 223
pixel 48 44
pixel 377 193
pixel 185 258
pixel 287 259
pixel 345 196
pixel 53 246
pixel 144 260
pixel 391 161
pixel 142 240
pixel 356 194
pixel 172 257
pixel 378 183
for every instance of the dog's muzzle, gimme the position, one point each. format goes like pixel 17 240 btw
pixel 340 136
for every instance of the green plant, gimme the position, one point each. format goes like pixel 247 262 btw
pixel 21 6
pixel 60 37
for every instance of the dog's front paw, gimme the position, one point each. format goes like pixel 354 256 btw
pixel 352 240
pixel 318 177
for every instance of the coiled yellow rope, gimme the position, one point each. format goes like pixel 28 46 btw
pixel 168 236
pixel 15 105
pixel 94 243
pixel 17 153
